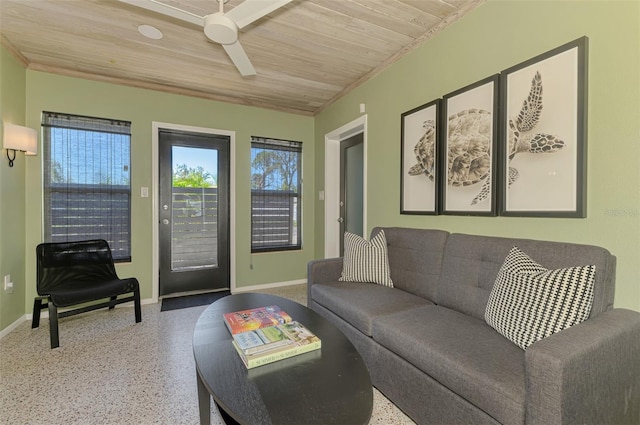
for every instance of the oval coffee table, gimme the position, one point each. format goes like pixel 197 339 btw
pixel 326 386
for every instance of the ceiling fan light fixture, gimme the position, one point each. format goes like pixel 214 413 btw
pixel 150 32
pixel 219 28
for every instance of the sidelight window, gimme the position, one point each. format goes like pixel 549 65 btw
pixel 276 202
pixel 87 180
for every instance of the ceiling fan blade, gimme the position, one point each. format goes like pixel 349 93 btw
pixel 239 58
pixel 165 9
pixel 252 10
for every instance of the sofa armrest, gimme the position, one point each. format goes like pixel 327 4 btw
pixel 587 374
pixel 327 270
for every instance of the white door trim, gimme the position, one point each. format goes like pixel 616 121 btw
pixel 332 142
pixel 155 262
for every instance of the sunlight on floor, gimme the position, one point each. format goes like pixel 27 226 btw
pixel 110 370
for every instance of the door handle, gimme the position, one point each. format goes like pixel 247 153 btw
pixel 165 221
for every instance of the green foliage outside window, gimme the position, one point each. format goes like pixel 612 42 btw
pixel 274 170
pixel 184 176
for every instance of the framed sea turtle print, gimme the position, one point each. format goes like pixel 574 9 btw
pixel 420 135
pixel 543 134
pixel 468 154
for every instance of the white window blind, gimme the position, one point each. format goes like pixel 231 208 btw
pixel 87 180
pixel 276 201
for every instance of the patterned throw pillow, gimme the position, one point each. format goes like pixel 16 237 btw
pixel 366 261
pixel 529 302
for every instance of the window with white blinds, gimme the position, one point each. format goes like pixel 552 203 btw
pixel 87 180
pixel 276 201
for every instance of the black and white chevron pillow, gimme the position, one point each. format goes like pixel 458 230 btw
pixel 366 261
pixel 529 302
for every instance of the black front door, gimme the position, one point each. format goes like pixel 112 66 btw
pixel 194 212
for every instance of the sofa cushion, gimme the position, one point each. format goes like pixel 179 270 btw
pixel 462 353
pixel 366 261
pixel 415 258
pixel 471 264
pixel 360 303
pixel 529 302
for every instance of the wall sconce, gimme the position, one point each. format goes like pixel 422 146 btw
pixel 19 138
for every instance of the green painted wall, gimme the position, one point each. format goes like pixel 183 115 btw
pixel 493 37
pixel 12 193
pixel 48 92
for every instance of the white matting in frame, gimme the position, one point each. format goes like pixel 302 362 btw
pixel 544 147
pixel 468 149
pixel 419 184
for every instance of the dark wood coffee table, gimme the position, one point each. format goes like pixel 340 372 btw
pixel 326 386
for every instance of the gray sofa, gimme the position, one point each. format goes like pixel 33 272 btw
pixel 429 350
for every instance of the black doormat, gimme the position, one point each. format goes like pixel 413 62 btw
pixel 192 300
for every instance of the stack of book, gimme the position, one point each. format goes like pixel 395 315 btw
pixel 267 334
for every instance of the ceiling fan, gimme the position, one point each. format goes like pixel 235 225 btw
pixel 221 27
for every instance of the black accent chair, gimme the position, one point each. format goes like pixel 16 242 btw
pixel 72 273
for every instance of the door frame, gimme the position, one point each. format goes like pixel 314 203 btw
pixel 155 196
pixel 332 142
pixel 348 145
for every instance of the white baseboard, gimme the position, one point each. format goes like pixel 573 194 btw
pixel 268 286
pixel 6 331
pixel 45 315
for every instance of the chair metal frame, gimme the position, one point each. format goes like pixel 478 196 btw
pixel 80 250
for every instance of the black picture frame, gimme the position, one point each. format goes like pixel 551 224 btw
pixel 543 134
pixel 420 141
pixel 468 154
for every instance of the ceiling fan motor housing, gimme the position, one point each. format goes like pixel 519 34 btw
pixel 219 28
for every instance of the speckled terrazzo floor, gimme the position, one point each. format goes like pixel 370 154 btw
pixel 109 370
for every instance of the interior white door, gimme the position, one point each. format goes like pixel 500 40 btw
pixel 333 139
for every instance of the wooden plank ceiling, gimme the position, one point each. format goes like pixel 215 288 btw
pixel 307 54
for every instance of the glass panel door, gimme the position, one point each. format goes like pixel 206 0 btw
pixel 194 252
pixel 194 223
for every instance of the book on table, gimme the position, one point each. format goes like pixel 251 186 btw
pixel 270 344
pixel 255 318
pixel 267 334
